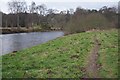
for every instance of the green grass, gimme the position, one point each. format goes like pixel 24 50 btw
pixel 108 53
pixel 63 57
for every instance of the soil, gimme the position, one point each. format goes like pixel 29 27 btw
pixel 92 66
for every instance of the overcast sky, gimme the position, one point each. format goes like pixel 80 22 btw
pixel 65 4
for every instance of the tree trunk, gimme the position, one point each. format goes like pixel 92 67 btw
pixel 18 26
pixel 6 23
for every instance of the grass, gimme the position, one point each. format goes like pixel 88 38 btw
pixel 63 57
pixel 108 53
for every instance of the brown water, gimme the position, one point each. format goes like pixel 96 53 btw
pixel 19 41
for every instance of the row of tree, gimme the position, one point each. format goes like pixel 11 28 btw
pixel 22 15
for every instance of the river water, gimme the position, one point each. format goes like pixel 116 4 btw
pixel 19 41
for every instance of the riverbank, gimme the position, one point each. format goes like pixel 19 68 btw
pixel 24 30
pixel 66 57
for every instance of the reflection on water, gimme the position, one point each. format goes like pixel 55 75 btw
pixel 18 41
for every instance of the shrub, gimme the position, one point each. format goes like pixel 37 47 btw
pixel 80 23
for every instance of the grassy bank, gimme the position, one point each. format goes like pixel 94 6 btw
pixel 64 57
pixel 108 54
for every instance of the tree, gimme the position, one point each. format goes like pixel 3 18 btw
pixel 119 7
pixel 80 10
pixel 50 11
pixel 33 7
pixel 41 9
pixel 110 14
pixel 118 14
pixel 33 10
pixel 17 7
pixel 103 9
pixel 0 19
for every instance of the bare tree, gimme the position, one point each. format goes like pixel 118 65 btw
pixel 0 19
pixel 33 7
pixel 119 7
pixel 41 9
pixel 50 11
pixel 17 7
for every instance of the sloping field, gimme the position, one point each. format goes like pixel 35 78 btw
pixel 66 57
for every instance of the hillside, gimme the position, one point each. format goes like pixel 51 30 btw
pixel 73 56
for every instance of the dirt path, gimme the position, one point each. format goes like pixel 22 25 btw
pixel 92 66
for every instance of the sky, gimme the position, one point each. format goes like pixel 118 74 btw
pixel 65 4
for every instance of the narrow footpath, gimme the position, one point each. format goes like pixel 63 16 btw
pixel 92 66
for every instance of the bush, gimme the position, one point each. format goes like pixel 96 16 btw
pixel 80 23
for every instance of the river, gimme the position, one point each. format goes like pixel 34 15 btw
pixel 19 41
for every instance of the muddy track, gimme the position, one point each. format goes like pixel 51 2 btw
pixel 92 66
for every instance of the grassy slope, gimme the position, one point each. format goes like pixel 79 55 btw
pixel 108 53
pixel 63 57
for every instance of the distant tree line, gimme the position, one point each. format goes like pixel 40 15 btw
pixel 22 15
pixel 84 20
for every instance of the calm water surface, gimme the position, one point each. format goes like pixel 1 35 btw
pixel 19 41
